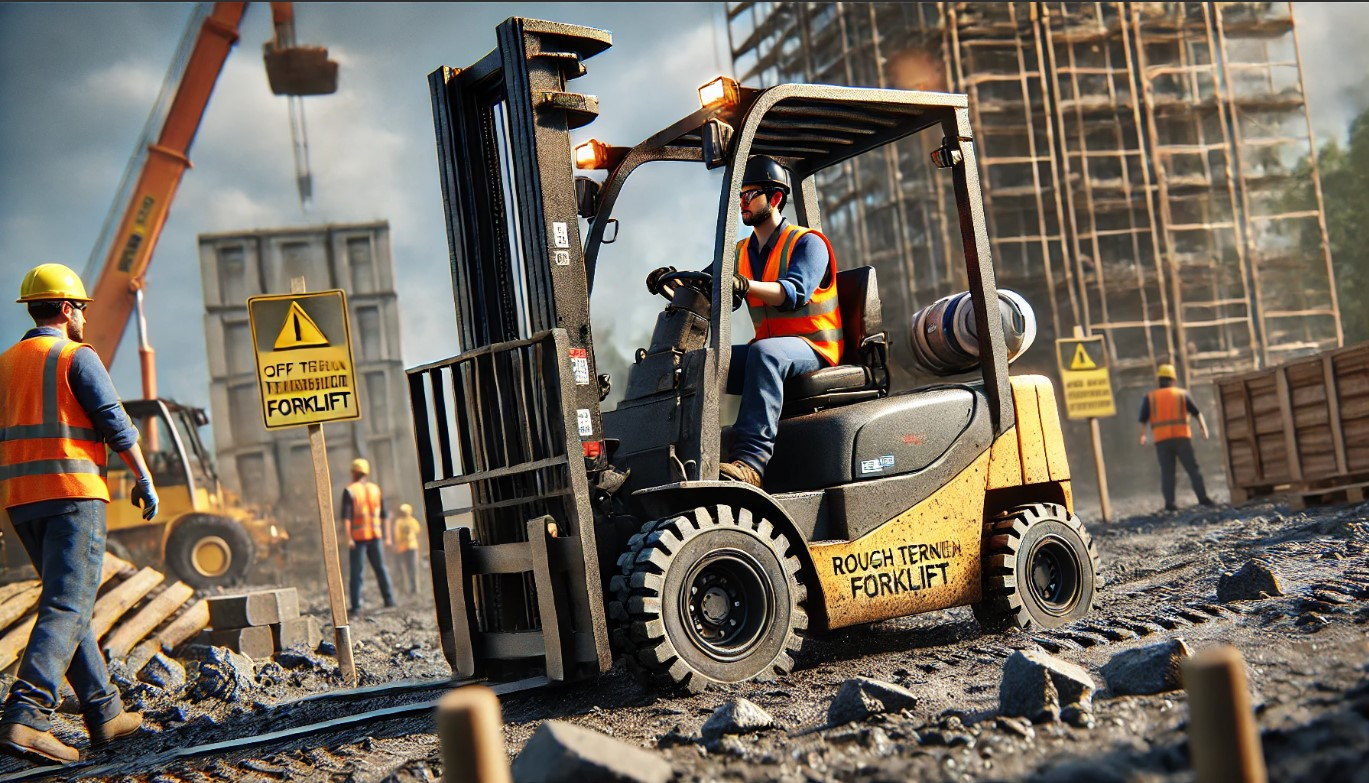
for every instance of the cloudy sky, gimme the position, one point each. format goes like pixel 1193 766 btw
pixel 77 82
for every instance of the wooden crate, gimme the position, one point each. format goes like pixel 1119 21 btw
pixel 1298 428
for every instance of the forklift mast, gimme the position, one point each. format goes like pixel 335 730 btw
pixel 515 417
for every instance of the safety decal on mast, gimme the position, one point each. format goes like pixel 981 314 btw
pixel 579 365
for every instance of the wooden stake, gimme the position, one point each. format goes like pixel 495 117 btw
pixel 470 731
pixel 332 563
pixel 1223 741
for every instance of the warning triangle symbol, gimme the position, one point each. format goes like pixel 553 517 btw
pixel 299 331
pixel 1081 360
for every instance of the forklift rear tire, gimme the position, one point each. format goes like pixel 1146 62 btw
pixel 207 551
pixel 1040 569
pixel 709 597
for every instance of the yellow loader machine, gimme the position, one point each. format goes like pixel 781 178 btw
pixel 594 533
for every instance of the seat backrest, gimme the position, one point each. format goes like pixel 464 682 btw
pixel 858 301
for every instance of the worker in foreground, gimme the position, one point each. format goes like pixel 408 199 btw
pixel 1167 410
pixel 788 277
pixel 363 510
pixel 58 412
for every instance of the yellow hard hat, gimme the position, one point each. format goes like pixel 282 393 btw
pixel 360 465
pixel 406 509
pixel 1167 371
pixel 51 281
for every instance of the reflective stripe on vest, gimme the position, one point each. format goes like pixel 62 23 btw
pixel 365 511
pixel 819 321
pixel 1169 413
pixel 49 449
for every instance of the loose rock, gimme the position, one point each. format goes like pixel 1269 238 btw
pixel 1147 670
pixel 861 697
pixel 562 752
pixel 164 672
pixel 224 675
pixel 738 716
pixel 1035 686
pixel 1254 581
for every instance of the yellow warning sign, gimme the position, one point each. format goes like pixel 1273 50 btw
pixel 306 373
pixel 299 331
pixel 1081 360
pixel 1084 379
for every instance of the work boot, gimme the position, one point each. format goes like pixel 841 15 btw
pixel 38 747
pixel 1206 502
pixel 121 725
pixel 737 470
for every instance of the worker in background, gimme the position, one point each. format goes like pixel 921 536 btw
pixel 406 548
pixel 363 511
pixel 58 412
pixel 787 275
pixel 1167 410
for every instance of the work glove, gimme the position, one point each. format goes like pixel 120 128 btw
pixel 145 496
pixel 740 285
pixel 653 280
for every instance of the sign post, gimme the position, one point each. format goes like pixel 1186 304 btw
pixel 306 376
pixel 1083 363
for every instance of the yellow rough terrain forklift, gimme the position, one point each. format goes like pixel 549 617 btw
pixel 600 532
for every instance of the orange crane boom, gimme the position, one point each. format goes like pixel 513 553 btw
pixel 122 273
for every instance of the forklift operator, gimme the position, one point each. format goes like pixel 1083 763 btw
pixel 787 275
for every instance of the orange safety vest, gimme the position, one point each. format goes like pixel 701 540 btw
pixel 1169 413
pixel 365 511
pixel 49 449
pixel 819 321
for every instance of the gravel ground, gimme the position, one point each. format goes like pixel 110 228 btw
pixel 1306 654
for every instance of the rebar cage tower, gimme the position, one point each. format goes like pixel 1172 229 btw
pixel 1137 161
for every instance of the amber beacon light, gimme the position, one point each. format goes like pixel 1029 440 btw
pixel 593 154
pixel 722 91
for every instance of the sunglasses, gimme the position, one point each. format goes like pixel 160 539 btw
pixel 747 195
pixel 78 305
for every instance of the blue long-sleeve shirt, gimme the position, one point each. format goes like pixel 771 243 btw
pixel 807 265
pixel 94 390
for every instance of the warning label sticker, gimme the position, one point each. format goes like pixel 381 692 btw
pixel 579 365
pixel 1084 379
pixel 302 344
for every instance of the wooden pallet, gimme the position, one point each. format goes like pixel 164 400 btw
pixel 136 614
pixel 1304 497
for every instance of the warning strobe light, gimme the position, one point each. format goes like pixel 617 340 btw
pixel 722 91
pixel 593 154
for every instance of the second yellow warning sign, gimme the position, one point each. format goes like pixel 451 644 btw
pixel 305 369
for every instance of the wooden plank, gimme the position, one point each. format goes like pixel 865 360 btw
pixel 189 623
pixel 20 605
pixel 1290 432
pixel 12 644
pixel 11 590
pixel 113 604
pixel 463 651
pixel 551 611
pixel 1333 408
pixel 149 617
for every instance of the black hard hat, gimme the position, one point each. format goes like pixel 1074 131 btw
pixel 765 170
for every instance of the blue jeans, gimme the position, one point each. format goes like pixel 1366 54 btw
pixel 374 551
pixel 67 549
pixel 758 372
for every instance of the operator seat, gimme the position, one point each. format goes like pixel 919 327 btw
pixel 863 373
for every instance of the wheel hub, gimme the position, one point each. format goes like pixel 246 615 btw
pixel 1054 575
pixel 727 604
pixel 211 556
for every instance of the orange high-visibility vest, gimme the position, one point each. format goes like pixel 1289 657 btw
pixel 365 511
pixel 1169 413
pixel 819 321
pixel 49 449
pixel 406 533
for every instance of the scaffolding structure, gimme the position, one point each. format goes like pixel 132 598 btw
pixel 1137 161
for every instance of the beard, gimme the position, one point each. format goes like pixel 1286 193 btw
pixel 76 330
pixel 759 216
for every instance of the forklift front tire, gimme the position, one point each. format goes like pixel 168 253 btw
pixel 708 597
pixel 1040 569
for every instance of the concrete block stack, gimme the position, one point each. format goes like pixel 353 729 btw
pixel 260 624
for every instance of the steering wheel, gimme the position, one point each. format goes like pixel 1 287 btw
pixel 698 281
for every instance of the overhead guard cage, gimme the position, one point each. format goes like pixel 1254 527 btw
pixel 515 417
